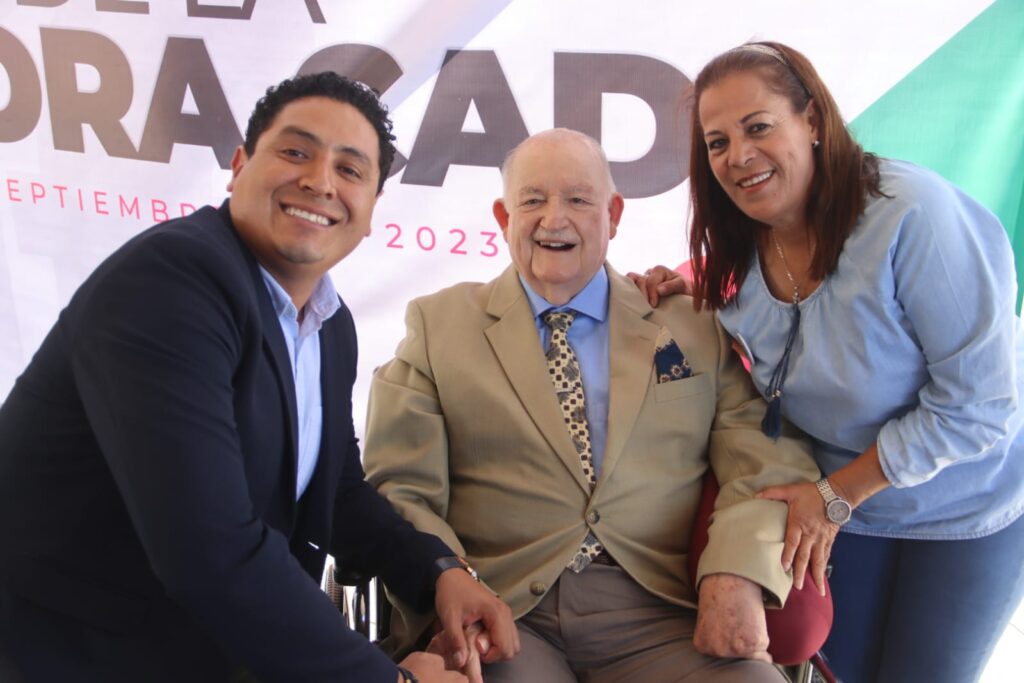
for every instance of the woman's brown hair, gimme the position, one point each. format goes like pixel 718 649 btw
pixel 723 239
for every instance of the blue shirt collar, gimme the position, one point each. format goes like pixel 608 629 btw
pixel 591 301
pixel 322 304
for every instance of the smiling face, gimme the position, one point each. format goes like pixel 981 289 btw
pixel 558 212
pixel 760 150
pixel 304 199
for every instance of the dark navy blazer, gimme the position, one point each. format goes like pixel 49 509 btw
pixel 147 478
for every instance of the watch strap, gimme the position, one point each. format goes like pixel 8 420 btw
pixel 825 489
pixel 443 564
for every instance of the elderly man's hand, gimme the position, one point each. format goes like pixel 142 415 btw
pixel 461 601
pixel 730 619
pixel 478 642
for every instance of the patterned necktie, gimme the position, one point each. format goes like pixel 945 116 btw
pixel 565 375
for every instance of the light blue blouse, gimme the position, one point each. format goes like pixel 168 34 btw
pixel 913 344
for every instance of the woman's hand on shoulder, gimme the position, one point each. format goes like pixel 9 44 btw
pixel 660 281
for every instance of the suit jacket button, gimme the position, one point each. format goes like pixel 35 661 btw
pixel 538 588
pixel 593 517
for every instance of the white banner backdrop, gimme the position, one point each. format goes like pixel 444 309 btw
pixel 116 114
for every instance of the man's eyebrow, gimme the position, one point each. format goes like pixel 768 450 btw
pixel 303 133
pixel 315 139
pixel 574 189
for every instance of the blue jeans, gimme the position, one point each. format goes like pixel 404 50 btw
pixel 908 610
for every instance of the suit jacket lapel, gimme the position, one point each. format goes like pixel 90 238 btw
pixel 276 353
pixel 631 342
pixel 516 343
pixel 273 338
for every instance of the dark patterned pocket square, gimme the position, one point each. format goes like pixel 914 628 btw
pixel 669 362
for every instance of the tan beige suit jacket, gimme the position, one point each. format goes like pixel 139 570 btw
pixel 465 437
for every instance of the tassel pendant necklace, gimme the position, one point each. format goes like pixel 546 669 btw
pixel 771 425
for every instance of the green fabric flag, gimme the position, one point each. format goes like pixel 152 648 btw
pixel 961 113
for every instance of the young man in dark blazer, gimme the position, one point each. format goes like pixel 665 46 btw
pixel 179 456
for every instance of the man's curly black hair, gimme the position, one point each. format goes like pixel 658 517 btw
pixel 336 87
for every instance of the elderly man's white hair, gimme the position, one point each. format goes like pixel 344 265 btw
pixel 555 133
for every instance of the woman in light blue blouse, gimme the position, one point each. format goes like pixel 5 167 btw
pixel 875 303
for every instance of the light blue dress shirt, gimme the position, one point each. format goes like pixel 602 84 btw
pixel 588 338
pixel 303 343
pixel 912 344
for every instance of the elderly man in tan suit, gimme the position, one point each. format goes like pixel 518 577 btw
pixel 555 429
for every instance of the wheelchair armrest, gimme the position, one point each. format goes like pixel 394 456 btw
pixel 369 611
pixel 349 577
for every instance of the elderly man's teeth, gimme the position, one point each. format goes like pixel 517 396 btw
pixel 554 245
pixel 306 215
pixel 756 179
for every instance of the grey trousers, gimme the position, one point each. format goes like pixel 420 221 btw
pixel 600 626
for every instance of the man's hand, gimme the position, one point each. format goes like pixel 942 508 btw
pixel 660 281
pixel 429 668
pixel 462 601
pixel 730 619
pixel 478 642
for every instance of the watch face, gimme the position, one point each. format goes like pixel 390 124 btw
pixel 838 511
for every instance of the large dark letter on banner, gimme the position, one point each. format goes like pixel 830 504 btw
pixel 365 63
pixel 468 76
pixel 194 8
pixel 581 79
pixel 125 6
pixel 219 11
pixel 70 108
pixel 187 66
pixel 20 116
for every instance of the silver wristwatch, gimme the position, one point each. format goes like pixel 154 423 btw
pixel 837 510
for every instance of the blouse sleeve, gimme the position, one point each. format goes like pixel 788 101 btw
pixel 954 278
